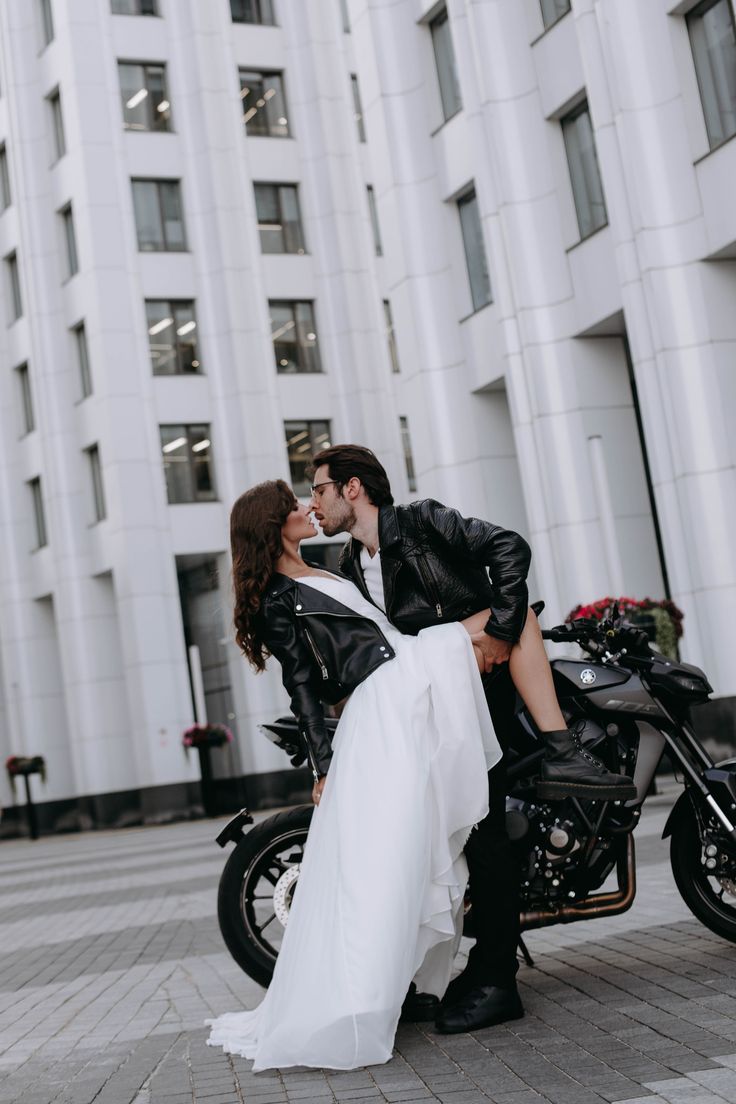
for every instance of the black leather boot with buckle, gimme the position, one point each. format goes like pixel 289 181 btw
pixel 569 770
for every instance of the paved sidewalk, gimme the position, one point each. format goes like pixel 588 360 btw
pixel 111 958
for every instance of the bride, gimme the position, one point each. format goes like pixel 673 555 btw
pixel 380 892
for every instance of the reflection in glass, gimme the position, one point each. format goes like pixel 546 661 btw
pixel 552 10
pixel 279 220
pixel 187 457
pixel 713 42
pixel 303 440
pixel 158 215
pixel 172 337
pixel 475 252
pixel 252 11
pixel 145 102
pixel 294 336
pixel 408 454
pixel 585 177
pixel 264 104
pixel 357 108
pixel 444 57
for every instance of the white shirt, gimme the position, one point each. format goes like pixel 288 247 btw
pixel 373 576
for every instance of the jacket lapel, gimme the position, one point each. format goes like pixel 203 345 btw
pixel 350 566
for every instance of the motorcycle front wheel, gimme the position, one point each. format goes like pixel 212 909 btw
pixel 257 887
pixel 710 897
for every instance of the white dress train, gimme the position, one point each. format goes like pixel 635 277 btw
pixel 380 892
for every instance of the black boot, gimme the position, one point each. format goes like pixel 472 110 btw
pixel 460 986
pixel 568 770
pixel 484 1006
pixel 419 1007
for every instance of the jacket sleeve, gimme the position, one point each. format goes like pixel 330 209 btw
pixel 506 555
pixel 282 638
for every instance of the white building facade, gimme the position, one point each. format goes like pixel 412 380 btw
pixel 495 240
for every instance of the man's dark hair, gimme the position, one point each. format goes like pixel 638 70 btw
pixel 346 461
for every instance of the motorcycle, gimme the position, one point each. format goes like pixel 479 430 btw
pixel 629 705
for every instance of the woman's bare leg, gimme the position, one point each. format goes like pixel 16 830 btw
pixel 532 676
pixel 529 669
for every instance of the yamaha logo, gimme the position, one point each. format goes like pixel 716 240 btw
pixel 588 676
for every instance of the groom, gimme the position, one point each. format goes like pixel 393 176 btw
pixel 424 564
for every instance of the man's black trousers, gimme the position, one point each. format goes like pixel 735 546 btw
pixel 493 868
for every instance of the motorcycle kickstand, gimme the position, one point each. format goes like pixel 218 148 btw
pixel 525 952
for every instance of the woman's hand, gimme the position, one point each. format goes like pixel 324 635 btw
pixel 318 788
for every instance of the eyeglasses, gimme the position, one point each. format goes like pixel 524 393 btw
pixel 316 488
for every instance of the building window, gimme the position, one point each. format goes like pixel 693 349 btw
pixel 294 336
pixel 134 7
pixel 374 220
pixel 345 16
pixel 47 22
pixel 16 302
pixel 585 178
pixel 98 491
pixel 279 220
pixel 57 124
pixel 358 108
pixel 187 455
pixel 252 11
pixel 158 215
pixel 172 337
pixel 5 197
pixel 85 375
pixel 264 104
pixel 391 336
pixel 145 102
pixel 475 252
pixel 38 512
pixel 552 10
pixel 713 41
pixel 303 440
pixel 408 455
pixel 70 241
pixel 26 398
pixel 444 57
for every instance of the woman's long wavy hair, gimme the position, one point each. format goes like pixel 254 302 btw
pixel 256 521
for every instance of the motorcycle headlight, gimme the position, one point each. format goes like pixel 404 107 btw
pixel 691 684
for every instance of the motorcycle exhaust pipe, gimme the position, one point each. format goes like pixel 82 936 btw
pixel 597 904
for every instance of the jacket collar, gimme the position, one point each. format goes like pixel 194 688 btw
pixel 389 533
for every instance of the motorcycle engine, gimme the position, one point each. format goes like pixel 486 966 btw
pixel 551 839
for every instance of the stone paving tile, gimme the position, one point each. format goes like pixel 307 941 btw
pixel 112 959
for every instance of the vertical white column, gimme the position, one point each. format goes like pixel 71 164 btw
pixel 682 374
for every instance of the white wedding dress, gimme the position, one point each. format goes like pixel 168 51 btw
pixel 379 897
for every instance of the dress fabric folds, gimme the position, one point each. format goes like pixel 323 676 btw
pixel 380 893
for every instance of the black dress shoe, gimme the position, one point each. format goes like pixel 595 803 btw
pixel 483 1006
pixel 460 986
pixel 419 1007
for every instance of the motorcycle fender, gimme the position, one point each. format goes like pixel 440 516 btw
pixel 233 830
pixel 723 775
pixel 679 810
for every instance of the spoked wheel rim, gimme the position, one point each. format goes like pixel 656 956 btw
pixel 268 889
pixel 716 889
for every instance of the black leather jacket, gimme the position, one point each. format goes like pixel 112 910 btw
pixel 435 565
pixel 325 650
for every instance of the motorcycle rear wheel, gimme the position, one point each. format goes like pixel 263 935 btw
pixel 259 871
pixel 709 900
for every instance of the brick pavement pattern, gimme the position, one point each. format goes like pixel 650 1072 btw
pixel 111 959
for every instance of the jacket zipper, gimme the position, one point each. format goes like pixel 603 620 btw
pixel 317 655
pixel 429 583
